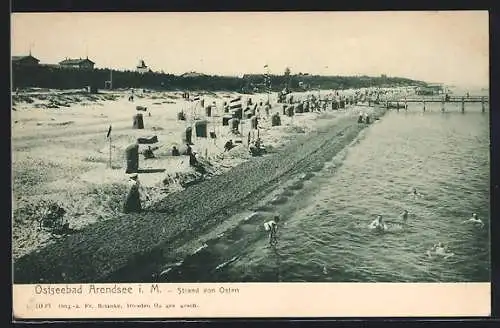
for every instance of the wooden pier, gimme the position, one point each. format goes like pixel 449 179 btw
pixel 454 99
pixel 402 103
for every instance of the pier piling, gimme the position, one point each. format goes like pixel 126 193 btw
pixel 463 104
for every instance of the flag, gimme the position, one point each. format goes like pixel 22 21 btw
pixel 265 66
pixel 109 132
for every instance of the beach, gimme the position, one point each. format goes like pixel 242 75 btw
pixel 325 173
pixel 61 154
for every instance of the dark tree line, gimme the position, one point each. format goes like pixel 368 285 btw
pixel 62 78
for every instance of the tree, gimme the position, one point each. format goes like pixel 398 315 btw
pixel 287 77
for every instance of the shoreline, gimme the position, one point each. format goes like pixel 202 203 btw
pixel 67 163
pixel 134 246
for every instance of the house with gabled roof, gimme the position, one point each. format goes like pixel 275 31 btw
pixel 142 67
pixel 77 63
pixel 28 60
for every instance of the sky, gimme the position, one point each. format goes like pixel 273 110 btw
pixel 449 47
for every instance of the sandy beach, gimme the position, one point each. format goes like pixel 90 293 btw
pixel 62 154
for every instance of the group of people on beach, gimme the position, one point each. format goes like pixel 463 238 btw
pixel 438 249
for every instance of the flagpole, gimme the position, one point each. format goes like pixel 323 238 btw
pixel 109 137
pixel 110 153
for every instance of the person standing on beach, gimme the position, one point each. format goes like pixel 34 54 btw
pixel 360 118
pixel 133 201
pixel 272 227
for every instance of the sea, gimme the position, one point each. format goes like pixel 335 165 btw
pixel 323 233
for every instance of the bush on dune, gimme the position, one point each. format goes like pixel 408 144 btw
pixel 99 202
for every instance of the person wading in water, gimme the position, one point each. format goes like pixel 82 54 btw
pixel 272 227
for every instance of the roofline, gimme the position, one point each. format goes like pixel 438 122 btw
pixel 75 61
pixel 25 56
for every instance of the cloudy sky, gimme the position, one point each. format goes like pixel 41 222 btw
pixel 449 47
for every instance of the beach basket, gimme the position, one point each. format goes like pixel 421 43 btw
pixel 267 108
pixel 138 122
pixel 187 135
pixel 238 113
pixel 225 120
pixel 132 158
pixel 290 111
pixel 147 140
pixel 276 120
pixel 201 129
pixel 234 124
pixel 254 122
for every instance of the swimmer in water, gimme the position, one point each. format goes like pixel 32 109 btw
pixel 378 224
pixel 272 227
pixel 439 250
pixel 415 193
pixel 404 217
pixel 475 220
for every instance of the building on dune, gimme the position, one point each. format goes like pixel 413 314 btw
pixel 28 60
pixel 142 67
pixel 77 63
pixel 430 89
